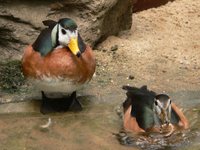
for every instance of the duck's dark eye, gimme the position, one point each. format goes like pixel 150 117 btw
pixel 156 103
pixel 63 31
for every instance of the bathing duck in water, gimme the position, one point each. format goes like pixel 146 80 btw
pixel 58 62
pixel 145 111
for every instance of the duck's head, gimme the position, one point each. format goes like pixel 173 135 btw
pixel 65 33
pixel 162 108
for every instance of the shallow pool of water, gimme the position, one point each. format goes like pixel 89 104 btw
pixel 96 127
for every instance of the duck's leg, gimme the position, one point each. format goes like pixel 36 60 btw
pixel 50 105
pixel 75 104
pixel 45 105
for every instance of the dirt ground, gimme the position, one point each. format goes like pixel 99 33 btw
pixel 162 49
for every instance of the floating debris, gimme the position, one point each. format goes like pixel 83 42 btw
pixel 114 48
pixel 47 125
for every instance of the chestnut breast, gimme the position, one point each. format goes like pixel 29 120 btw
pixel 60 63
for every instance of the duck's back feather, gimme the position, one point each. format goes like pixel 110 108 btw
pixel 174 117
pixel 141 100
pixel 43 43
pixel 49 23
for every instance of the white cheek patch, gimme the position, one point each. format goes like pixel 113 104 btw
pixel 160 104
pixel 53 35
pixel 158 107
pixel 63 38
pixel 169 108
pixel 158 110
pixel 168 103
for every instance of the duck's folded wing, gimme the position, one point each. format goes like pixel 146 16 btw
pixel 174 117
pixel 138 91
pixel 49 23
pixel 144 117
pixel 177 117
pixel 43 43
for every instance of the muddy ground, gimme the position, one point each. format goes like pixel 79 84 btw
pixel 162 51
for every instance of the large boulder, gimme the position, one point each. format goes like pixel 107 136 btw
pixel 21 21
pixel 139 5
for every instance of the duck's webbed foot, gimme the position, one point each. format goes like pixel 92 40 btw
pixel 75 105
pixel 50 105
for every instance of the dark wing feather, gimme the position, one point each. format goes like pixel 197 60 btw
pixel 81 44
pixel 141 95
pixel 49 23
pixel 174 117
pixel 43 43
pixel 142 105
pixel 139 91
pixel 144 117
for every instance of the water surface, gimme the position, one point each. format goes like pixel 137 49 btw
pixel 95 127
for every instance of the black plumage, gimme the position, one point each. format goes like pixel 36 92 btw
pixel 43 43
pixel 49 23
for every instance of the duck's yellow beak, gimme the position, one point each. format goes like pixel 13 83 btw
pixel 73 46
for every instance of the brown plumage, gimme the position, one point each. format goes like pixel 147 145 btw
pixel 59 63
pixel 130 122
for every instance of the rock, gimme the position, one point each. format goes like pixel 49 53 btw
pixel 114 48
pixel 139 5
pixel 104 50
pixel 131 77
pixel 96 19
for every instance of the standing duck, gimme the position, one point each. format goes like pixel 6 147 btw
pixel 58 62
pixel 144 111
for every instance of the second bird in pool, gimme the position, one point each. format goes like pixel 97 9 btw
pixel 145 110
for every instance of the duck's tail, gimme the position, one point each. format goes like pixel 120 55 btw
pixel 134 93
pixel 138 91
pixel 49 23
